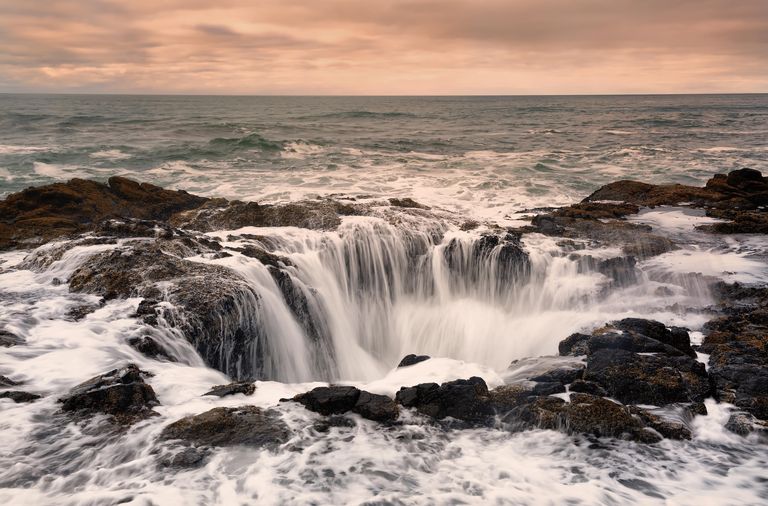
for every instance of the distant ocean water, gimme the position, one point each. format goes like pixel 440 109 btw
pixel 485 155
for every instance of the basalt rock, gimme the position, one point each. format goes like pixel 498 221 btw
pixel 5 381
pixel 148 346
pixel 407 202
pixel 8 339
pixel 504 253
pixel 242 426
pixel 19 396
pixel 239 387
pixel 745 424
pixel 337 400
pixel 121 393
pixel 466 399
pixel 37 215
pixel 412 360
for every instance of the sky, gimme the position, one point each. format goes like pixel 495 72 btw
pixel 384 47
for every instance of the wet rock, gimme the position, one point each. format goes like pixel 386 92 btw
pixel 121 393
pixel 332 400
pixel 127 227
pixel 263 256
pixel 745 424
pixel 465 399
pixel 8 339
pixel 676 337
pixel 505 254
pixel 79 312
pixel 669 426
pixel 575 344
pixel 589 414
pixel 587 387
pixel 379 408
pixel 244 425
pixel 239 387
pixel 412 360
pixel 146 345
pixel 562 375
pixel 644 194
pixel 37 215
pixel 548 388
pixel 407 202
pixel 506 397
pixel 184 458
pixel 5 381
pixel 19 396
pixel 328 422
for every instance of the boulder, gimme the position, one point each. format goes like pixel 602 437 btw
pixel 8 339
pixel 19 396
pixel 121 393
pixel 464 399
pixel 378 408
pixel 244 425
pixel 147 345
pixel 412 360
pixel 338 399
pixel 745 424
pixel 238 387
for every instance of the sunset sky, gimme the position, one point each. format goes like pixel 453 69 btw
pixel 384 46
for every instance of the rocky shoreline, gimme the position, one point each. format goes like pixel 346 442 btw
pixel 632 379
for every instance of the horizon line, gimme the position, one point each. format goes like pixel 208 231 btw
pixel 301 95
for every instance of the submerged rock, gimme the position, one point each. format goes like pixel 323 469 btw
pixel 7 339
pixel 245 425
pixel 148 346
pixel 745 424
pixel 19 396
pixel 412 360
pixel 5 381
pixel 121 393
pixel 239 387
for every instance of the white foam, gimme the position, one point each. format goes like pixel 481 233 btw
pixel 110 154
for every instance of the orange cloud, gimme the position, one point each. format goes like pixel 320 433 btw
pixel 384 47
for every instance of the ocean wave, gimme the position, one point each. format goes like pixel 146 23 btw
pixel 250 141
pixel 362 115
pixel 110 154
pixel 21 150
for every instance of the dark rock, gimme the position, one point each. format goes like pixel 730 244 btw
pixel 412 360
pixel 36 215
pixel 505 255
pixel 146 345
pixel 185 458
pixel 745 424
pixel 5 381
pixel 332 400
pixel 7 339
pixel 562 375
pixel 379 408
pixel 325 424
pixel 79 312
pixel 588 414
pixel 465 400
pixel 264 256
pixel 676 337
pixel 121 393
pixel 18 396
pixel 668 426
pixel 239 387
pixel 575 344
pixel 245 425
pixel 549 388
pixel 506 397
pixel 587 387
pixel 407 202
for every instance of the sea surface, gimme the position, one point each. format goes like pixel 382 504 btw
pixel 488 159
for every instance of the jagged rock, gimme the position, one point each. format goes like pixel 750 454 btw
pixel 121 393
pixel 575 344
pixel 506 397
pixel 18 396
pixel 667 426
pixel 563 375
pixel 465 399
pixel 379 408
pixel 146 345
pixel 745 424
pixel 184 457
pixel 504 253
pixel 676 337
pixel 37 215
pixel 239 387
pixel 407 202
pixel 5 381
pixel 548 388
pixel 587 387
pixel 337 399
pixel 79 312
pixel 7 339
pixel 245 425
pixel 412 360
pixel 325 424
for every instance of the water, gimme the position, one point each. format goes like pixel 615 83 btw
pixel 377 288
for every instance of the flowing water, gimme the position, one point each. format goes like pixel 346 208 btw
pixel 377 288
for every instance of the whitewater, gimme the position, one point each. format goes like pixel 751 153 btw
pixel 378 287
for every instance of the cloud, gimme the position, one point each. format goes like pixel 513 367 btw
pixel 388 46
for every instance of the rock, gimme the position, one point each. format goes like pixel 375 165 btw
pixel 465 399
pixel 379 408
pixel 5 381
pixel 332 400
pixel 588 414
pixel 37 215
pixel 407 202
pixel 644 194
pixel 504 254
pixel 506 397
pixel 562 375
pixel 7 339
pixel 244 425
pixel 575 344
pixel 668 426
pixel 325 424
pixel 412 360
pixel 674 336
pixel 745 424
pixel 121 393
pixel 185 458
pixel 146 345
pixel 238 387
pixel 587 387
pixel 548 388
pixel 647 379
pixel 18 396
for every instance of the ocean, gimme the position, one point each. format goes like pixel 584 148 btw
pixel 377 287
